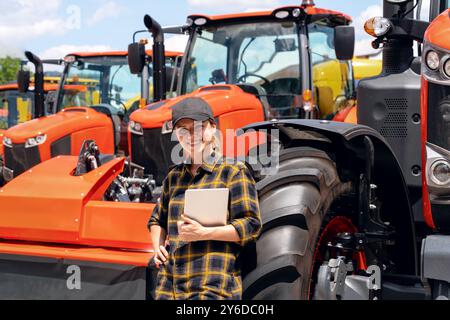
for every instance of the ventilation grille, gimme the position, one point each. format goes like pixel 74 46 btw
pixel 74 110
pixel 395 124
pixel 216 87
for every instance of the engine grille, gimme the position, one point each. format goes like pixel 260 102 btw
pixel 20 159
pixel 153 152
pixel 396 122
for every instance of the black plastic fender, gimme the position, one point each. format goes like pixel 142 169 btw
pixel 344 143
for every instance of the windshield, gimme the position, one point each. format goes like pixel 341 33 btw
pixel 100 80
pixel 15 108
pixel 263 55
pixel 439 115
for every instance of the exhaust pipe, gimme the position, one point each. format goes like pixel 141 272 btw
pixel 38 84
pixel 159 58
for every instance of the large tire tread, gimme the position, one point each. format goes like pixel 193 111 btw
pixel 293 203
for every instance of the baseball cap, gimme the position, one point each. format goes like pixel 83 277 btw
pixel 191 108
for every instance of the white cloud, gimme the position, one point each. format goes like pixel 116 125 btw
pixel 364 48
pixel 63 50
pixel 22 20
pixel 8 50
pixel 233 5
pixel 109 10
pixel 171 43
pixel 370 12
pixel 363 44
pixel 176 43
pixel 59 52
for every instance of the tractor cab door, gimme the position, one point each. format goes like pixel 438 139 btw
pixel 106 85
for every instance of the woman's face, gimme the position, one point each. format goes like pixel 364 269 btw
pixel 194 137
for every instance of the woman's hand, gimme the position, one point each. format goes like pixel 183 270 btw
pixel 190 230
pixel 161 256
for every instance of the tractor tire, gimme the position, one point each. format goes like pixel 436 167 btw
pixel 293 203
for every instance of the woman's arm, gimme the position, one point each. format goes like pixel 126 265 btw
pixel 190 230
pixel 245 224
pixel 157 225
pixel 244 206
pixel 158 235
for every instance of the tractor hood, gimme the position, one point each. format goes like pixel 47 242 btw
pixel 50 205
pixel 221 98
pixel 58 125
pixel 438 32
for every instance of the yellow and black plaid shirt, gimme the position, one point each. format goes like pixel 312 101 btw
pixel 205 269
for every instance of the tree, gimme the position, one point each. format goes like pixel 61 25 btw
pixel 8 69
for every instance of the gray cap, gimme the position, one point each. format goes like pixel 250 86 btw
pixel 192 108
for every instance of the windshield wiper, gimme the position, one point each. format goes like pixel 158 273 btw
pixel 241 62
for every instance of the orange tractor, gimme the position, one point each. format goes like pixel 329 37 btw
pixel 17 107
pixel 337 213
pixel 96 95
pixel 89 213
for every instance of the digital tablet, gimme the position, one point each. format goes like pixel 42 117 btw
pixel 209 207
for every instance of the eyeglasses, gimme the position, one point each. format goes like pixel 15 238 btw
pixel 189 132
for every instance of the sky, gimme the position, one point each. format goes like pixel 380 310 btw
pixel 54 28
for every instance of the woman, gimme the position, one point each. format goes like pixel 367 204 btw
pixel 200 262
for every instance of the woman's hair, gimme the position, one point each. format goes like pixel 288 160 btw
pixel 215 144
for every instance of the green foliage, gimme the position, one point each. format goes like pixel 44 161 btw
pixel 8 69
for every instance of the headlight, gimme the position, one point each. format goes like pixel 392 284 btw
pixel 136 128
pixel 282 14
pixel 436 64
pixel 432 60
pixel 33 142
pixel 446 68
pixel 440 172
pixel 377 26
pixel 7 142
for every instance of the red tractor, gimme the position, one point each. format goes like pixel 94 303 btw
pixel 435 111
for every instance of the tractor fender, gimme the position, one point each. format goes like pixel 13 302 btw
pixel 344 143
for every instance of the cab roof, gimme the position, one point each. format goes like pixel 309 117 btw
pixel 310 10
pixel 14 86
pixel 9 86
pixel 172 54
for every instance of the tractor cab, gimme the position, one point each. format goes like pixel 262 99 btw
pixel 287 63
pixel 286 57
pixel 17 107
pixel 102 83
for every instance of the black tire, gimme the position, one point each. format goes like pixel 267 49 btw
pixel 293 203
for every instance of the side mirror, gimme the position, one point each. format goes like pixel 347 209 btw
pixel 23 81
pixel 136 57
pixel 218 76
pixel 285 45
pixel 344 42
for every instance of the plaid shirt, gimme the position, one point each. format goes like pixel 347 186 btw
pixel 205 269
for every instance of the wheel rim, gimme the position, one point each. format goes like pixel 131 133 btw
pixel 336 226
